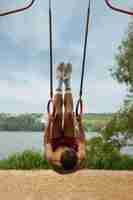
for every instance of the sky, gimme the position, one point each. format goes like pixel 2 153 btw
pixel 24 54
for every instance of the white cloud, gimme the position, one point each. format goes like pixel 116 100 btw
pixel 104 96
pixel 28 33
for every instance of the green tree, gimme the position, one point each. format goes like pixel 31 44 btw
pixel 123 71
pixel 22 122
pixel 120 128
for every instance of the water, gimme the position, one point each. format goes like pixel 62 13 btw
pixel 13 142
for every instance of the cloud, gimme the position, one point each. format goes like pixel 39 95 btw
pixel 109 95
pixel 24 54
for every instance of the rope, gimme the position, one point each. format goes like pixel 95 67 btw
pixel 79 105
pixel 117 9
pixel 51 50
pixel 50 102
pixel 85 47
pixel 18 10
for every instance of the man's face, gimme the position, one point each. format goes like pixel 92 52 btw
pixel 58 153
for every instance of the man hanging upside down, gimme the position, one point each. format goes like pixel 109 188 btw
pixel 64 136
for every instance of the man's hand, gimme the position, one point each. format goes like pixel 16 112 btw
pixel 81 155
pixel 49 152
pixel 49 157
pixel 81 151
pixel 52 157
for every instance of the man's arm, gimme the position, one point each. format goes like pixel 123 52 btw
pixel 48 152
pixel 47 132
pixel 81 140
pixel 47 140
pixel 51 156
pixel 81 151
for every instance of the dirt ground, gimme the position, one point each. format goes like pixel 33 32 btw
pixel 82 185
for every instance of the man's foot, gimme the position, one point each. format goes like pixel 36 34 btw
pixel 60 71
pixel 60 77
pixel 67 71
pixel 67 77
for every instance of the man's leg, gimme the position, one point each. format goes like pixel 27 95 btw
pixel 57 116
pixel 69 130
pixel 54 128
pixel 58 103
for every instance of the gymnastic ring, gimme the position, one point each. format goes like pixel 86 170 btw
pixel 50 103
pixel 79 108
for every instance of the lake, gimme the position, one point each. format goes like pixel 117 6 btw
pixel 13 142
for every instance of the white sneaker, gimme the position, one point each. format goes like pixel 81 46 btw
pixel 67 71
pixel 60 71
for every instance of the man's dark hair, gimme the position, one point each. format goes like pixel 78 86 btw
pixel 69 159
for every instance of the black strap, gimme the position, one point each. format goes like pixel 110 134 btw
pixel 18 10
pixel 79 106
pixel 108 3
pixel 51 50
pixel 85 47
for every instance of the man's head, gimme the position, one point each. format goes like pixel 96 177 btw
pixel 69 159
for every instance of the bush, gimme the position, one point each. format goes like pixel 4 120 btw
pixel 102 155
pixel 27 160
pixel 127 162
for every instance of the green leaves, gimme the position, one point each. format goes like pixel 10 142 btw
pixel 104 155
pixel 124 59
pixel 22 122
pixel 26 160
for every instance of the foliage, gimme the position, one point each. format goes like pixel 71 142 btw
pixel 23 122
pixel 27 160
pixel 123 73
pixel 32 122
pixel 120 128
pixel 95 122
pixel 100 155
pixel 124 70
pixel 103 155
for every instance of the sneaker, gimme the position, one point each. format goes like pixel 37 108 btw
pixel 60 71
pixel 67 71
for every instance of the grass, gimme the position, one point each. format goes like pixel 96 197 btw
pixel 26 160
pixel 30 160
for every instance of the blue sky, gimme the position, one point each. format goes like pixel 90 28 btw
pixel 24 54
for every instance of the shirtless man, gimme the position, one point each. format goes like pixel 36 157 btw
pixel 64 138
